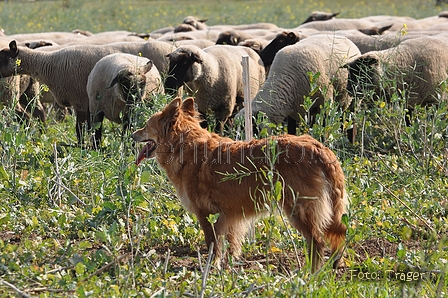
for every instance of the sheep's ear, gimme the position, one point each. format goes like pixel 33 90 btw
pixel 148 66
pixel 382 29
pixel 188 106
pixel 13 48
pixel 203 20
pixel 116 80
pixel 195 57
pixel 293 36
pixel 335 14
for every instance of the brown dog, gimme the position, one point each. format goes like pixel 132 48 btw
pixel 213 174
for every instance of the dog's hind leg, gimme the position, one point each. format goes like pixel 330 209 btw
pixel 315 243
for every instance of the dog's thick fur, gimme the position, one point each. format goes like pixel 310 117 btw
pixel 195 160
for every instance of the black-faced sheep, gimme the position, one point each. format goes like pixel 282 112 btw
pixel 282 94
pixel 214 76
pixel 232 37
pixel 416 67
pixel 116 83
pixel 65 71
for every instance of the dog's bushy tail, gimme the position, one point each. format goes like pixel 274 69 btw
pixel 335 232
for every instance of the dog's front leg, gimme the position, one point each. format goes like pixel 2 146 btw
pixel 214 233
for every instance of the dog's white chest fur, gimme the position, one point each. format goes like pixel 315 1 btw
pixel 185 201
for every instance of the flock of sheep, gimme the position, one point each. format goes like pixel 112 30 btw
pixel 104 74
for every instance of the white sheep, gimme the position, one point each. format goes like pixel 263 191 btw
pixel 214 76
pixel 336 24
pixel 282 94
pixel 116 83
pixel 66 71
pixel 416 66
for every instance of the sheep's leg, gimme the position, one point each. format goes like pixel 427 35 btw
pixel 203 117
pixel 96 140
pixel 126 120
pixel 292 125
pixel 82 119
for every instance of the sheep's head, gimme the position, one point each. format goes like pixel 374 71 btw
pixel 132 82
pixel 197 23
pixel 363 74
pixel 184 28
pixel 230 37
pixel 180 68
pixel 8 60
pixel 282 40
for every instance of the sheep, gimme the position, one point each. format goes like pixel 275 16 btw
pixel 214 75
pixel 336 24
pixel 256 44
pixel 233 37
pixel 202 43
pixel 417 67
pixel 199 34
pixel 288 82
pixel 115 84
pixel 191 23
pixel 195 22
pixel 66 71
pixel 23 93
pixel 46 35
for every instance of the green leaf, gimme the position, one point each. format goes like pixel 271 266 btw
pixel 3 174
pixel 278 190
pixel 85 244
pixel 345 219
pixel 145 177
pixel 80 268
pixel 213 218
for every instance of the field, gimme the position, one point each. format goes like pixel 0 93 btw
pixel 78 222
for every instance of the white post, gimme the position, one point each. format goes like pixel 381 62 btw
pixel 247 103
pixel 248 123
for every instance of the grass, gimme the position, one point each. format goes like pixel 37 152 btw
pixel 76 222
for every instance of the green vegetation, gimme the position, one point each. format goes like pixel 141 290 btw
pixel 77 222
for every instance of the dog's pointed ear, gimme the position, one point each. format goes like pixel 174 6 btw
pixel 173 107
pixel 188 106
pixel 170 114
